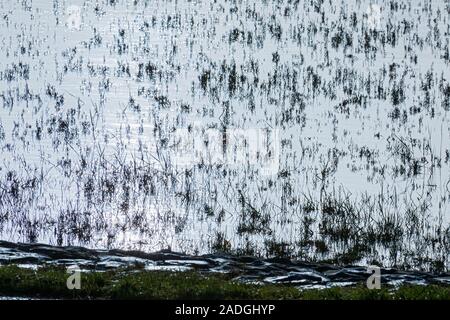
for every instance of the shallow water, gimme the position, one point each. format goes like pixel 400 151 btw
pixel 308 129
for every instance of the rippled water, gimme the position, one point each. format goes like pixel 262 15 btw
pixel 308 129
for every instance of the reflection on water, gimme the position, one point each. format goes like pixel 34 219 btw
pixel 303 129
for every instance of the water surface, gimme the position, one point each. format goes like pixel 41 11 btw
pixel 309 129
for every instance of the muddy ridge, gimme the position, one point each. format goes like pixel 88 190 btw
pixel 246 268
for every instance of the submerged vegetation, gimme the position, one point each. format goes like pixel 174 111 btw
pixel 94 120
pixel 139 284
